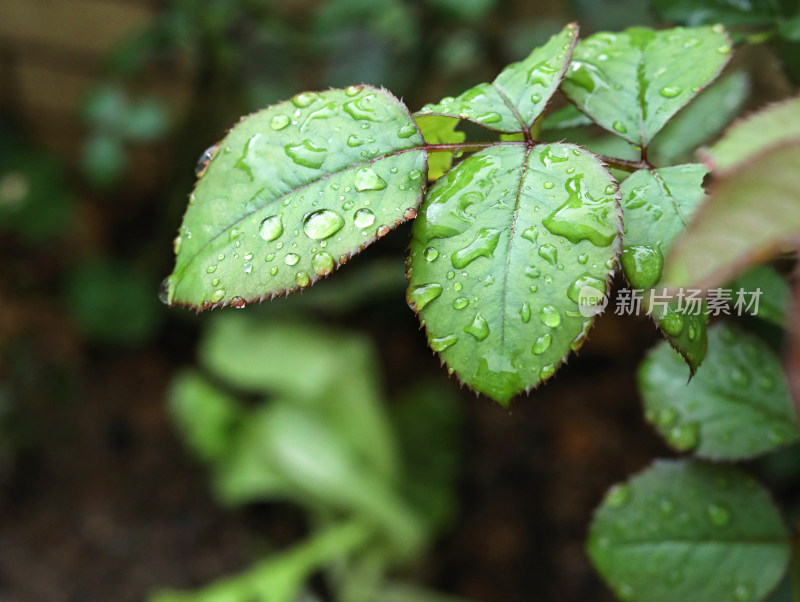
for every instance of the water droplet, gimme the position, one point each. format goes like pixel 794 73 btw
pixel 273 270
pixel 358 109
pixel 549 253
pixel 684 437
pixel 532 272
pixel 450 275
pixel 431 253
pixel 587 290
pixel 414 174
pixel 322 224
pixel 304 99
pixel 548 185
pixel 483 245
pixel 670 91
pixel 587 76
pixel 422 295
pixel 672 323
pixel 382 231
pixel 619 127
pixel 306 154
pixel 354 141
pixel 550 316
pixel 457 286
pixel 279 122
pixel 291 258
pixel 611 189
pixel 724 49
pixel 531 234
pixel 536 98
pixel 211 269
pixel 525 312
pixel 366 179
pixel 176 244
pixel 719 514
pixel 217 295
pixel 542 344
pixel 479 328
pixel 238 302
pixel 214 281
pixel 353 90
pixel 407 131
pixel 490 117
pixel 642 265
pixel 302 279
pixel 164 291
pixel 460 303
pixel 547 371
pixel 410 213
pixel 583 258
pixel 205 160
pixel 618 496
pixel 322 263
pixel 583 218
pixel 441 343
pixel 552 154
pixel 271 228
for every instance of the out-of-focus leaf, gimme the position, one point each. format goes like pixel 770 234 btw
pixel 732 13
pixel 751 213
pixel 568 117
pixel 632 83
pixel 104 160
pixel 773 291
pixel 513 101
pixel 207 418
pixel 146 121
pixel 509 262
pixel 293 191
pixel 684 530
pixel 754 135
pixel 701 121
pixel 738 406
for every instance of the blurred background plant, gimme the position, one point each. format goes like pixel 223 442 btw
pixel 105 106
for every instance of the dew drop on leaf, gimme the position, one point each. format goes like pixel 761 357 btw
pixel 670 91
pixel 550 316
pixel 302 279
pixel 306 154
pixel 549 253
pixel 542 344
pixel 271 228
pixel 483 245
pixel 291 258
pixel 217 295
pixel 422 295
pixel 279 122
pixel 322 263
pixel 322 224
pixel 367 179
pixel 479 327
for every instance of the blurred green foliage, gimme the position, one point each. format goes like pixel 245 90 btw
pixel 295 412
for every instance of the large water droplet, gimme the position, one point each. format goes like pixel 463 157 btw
pixel 587 76
pixel 479 327
pixel 363 218
pixel 306 154
pixel 431 253
pixel 422 295
pixel 642 265
pixel 583 218
pixel 542 344
pixel 550 316
pixel 441 343
pixel 302 280
pixel 483 245
pixel 549 253
pixel 279 122
pixel 271 228
pixel 359 110
pixel 367 179
pixel 322 263
pixel 322 224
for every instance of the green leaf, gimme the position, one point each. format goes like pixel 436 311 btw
pixel 774 300
pixel 747 139
pixel 292 192
pixel 702 121
pixel 738 406
pixel 438 129
pixel 750 13
pixel 751 213
pixel 657 204
pixel 684 530
pixel 505 247
pixel 568 117
pixel 513 101
pixel 632 83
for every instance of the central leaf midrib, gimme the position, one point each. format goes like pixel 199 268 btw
pixel 511 234
pixel 322 178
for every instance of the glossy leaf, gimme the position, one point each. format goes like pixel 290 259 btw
pixel 292 192
pixel 751 213
pixel 657 204
pixel 701 121
pixel 513 101
pixel 738 406
pixel 777 124
pixel 438 129
pixel 632 83
pixel 689 531
pixel 506 246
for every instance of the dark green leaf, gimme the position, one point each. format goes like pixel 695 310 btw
pixel 293 191
pixel 750 13
pixel 438 129
pixel 509 262
pixel 689 531
pixel 738 406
